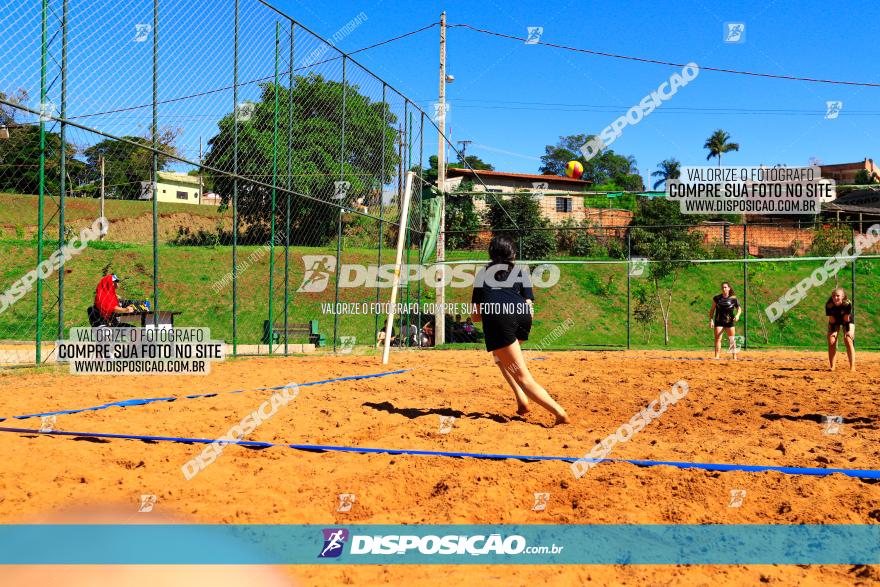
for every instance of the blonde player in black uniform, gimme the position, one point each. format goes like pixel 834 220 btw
pixel 723 315
pixel 840 314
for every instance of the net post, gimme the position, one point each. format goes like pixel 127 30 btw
pixel 395 284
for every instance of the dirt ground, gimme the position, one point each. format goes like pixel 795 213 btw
pixel 764 409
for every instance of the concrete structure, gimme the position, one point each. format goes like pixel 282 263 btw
pixel 559 195
pixel 845 173
pixel 178 188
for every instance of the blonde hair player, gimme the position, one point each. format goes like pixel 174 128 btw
pixel 840 314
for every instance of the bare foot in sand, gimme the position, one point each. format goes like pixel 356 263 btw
pixel 562 419
pixel 523 409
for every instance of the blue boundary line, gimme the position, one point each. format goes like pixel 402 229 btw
pixel 858 473
pixel 141 402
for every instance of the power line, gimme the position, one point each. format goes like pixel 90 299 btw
pixel 669 63
pixel 255 80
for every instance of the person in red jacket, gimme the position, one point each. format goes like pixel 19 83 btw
pixel 106 301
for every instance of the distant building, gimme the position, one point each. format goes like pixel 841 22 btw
pixel 845 173
pixel 179 188
pixel 557 200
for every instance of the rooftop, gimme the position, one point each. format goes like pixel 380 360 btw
pixel 455 171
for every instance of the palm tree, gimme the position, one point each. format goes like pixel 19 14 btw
pixel 667 169
pixel 717 144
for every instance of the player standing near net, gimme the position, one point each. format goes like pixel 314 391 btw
pixel 504 302
pixel 723 315
pixel 840 314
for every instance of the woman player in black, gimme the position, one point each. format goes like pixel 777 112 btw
pixel 839 310
pixel 504 302
pixel 723 315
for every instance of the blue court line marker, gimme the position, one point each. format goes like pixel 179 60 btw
pixel 858 473
pixel 140 402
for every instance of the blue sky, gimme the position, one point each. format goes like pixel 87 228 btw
pixel 509 98
pixel 512 99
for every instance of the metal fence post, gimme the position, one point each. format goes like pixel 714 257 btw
pixel 156 163
pixel 40 204
pixel 274 186
pixel 338 265
pixel 852 236
pixel 421 219
pixel 745 284
pixel 342 208
pixel 628 288
pixel 235 189
pixel 289 189
pixel 61 203
pixel 381 201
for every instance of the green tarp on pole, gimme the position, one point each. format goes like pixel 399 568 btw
pixel 431 201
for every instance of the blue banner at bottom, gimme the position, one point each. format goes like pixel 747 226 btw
pixel 218 544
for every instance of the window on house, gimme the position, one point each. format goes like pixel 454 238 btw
pixel 182 196
pixel 493 190
pixel 563 204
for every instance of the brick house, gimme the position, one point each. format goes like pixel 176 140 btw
pixel 558 201
pixel 845 173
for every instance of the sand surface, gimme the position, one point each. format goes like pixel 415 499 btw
pixel 765 409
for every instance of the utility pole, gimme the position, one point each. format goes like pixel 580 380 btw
pixel 439 312
pixel 101 161
pixel 464 145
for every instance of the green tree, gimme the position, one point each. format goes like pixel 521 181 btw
pixel 718 144
pixel 462 219
pixel 128 162
pixel 864 177
pixel 607 169
pixel 8 114
pixel 316 165
pixel 519 217
pixel 20 161
pixel 20 153
pixel 661 233
pixel 666 170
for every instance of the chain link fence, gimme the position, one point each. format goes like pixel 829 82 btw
pixel 632 286
pixel 242 165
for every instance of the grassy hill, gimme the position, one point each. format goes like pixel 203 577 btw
pixel 592 296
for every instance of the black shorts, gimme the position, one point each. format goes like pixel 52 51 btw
pixel 729 324
pixel 503 330
pixel 835 328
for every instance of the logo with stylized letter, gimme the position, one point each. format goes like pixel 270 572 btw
pixel 638 266
pixel 833 108
pixel 334 540
pixel 832 424
pixel 147 503
pixel 446 424
pixel 141 32
pixel 734 32
pixel 340 189
pixel 534 35
pixel 541 501
pixel 317 273
pixel 737 497
pixel 346 501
